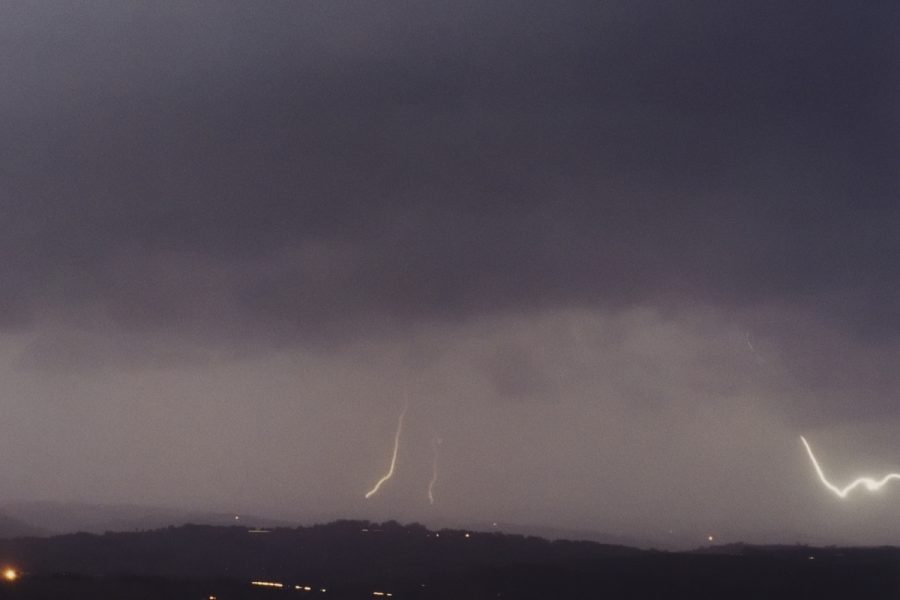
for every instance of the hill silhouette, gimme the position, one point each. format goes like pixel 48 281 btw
pixel 74 517
pixel 355 559
pixel 11 527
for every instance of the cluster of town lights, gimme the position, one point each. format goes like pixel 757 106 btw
pixel 306 588
pixel 278 584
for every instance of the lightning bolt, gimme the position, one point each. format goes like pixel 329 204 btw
pixel 750 344
pixel 390 472
pixel 435 444
pixel 873 485
pixel 759 359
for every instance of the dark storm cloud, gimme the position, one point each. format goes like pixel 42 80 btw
pixel 619 255
pixel 298 171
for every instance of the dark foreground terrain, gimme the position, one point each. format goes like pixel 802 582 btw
pixel 352 559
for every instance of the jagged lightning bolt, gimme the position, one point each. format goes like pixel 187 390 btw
pixel 435 444
pixel 390 472
pixel 873 485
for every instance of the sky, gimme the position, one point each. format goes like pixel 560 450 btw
pixel 617 256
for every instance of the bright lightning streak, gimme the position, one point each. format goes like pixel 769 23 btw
pixel 435 443
pixel 390 472
pixel 873 485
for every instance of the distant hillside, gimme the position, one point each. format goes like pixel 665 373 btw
pixel 12 528
pixel 342 551
pixel 73 517
pixel 558 533
pixel 357 560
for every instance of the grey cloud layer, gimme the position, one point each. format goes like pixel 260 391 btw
pixel 635 424
pixel 308 171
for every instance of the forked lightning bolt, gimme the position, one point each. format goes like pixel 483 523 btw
pixel 390 472
pixel 873 485
pixel 435 443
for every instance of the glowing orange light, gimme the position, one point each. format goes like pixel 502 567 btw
pixel 10 574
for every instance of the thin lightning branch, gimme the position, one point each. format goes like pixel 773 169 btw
pixel 759 359
pixel 390 472
pixel 869 483
pixel 435 444
pixel 750 344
